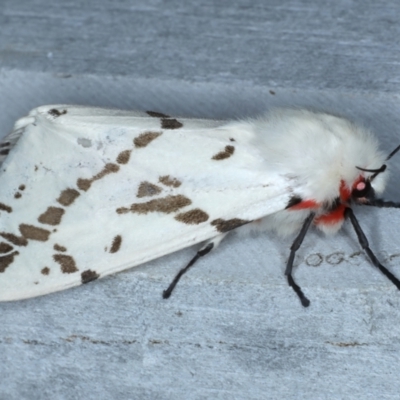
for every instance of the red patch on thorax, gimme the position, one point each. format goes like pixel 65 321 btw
pixel 336 215
pixel 333 217
pixel 344 191
pixel 303 205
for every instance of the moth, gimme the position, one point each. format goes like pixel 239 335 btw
pixel 87 192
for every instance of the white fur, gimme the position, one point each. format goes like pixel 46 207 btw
pixel 286 153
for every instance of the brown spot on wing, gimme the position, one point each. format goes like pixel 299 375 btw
pixel 5 248
pixel 192 217
pixel 145 138
pixel 124 156
pixel 68 196
pixel 89 276
pixel 166 205
pixel 84 184
pixel 21 187
pixel 4 207
pixel 56 113
pixel 17 195
pixel 34 233
pixel 222 155
pixel 168 181
pixel 147 189
pixel 52 216
pixel 67 263
pixel 45 271
pixel 5 261
pixel 156 114
pixel 170 123
pixel 226 225
pixel 57 247
pixel 14 239
pixel 116 244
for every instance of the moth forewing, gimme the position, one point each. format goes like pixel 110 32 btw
pixel 88 192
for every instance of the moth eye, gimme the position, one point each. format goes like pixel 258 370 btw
pixel 362 189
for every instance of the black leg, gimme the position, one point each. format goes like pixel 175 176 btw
pixel 289 266
pixel 365 245
pixel 202 252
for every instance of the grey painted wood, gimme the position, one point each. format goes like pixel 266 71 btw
pixel 232 329
pixel 343 44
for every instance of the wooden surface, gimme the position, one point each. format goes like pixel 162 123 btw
pixel 232 329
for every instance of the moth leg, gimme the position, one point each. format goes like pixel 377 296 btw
pixel 289 266
pixel 208 246
pixel 362 239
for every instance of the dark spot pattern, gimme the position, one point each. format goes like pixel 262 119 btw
pixel 222 155
pixel 14 239
pixel 52 216
pixel 5 248
pixel 84 184
pixel 67 263
pixel 4 207
pixel 168 181
pixel 17 195
pixel 192 217
pixel 156 114
pixel 34 233
pixel 89 276
pixel 145 138
pixel 166 121
pixel 5 261
pixel 45 271
pixel 5 144
pixel 124 156
pixel 21 187
pixel 116 244
pixel 56 113
pixel 68 196
pixel 170 123
pixel 166 205
pixel 147 189
pixel 226 225
pixel 4 152
pixel 58 247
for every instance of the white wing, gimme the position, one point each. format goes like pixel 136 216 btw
pixel 87 192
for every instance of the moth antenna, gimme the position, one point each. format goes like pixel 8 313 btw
pixel 362 239
pixel 202 252
pixel 382 168
pixel 376 171
pixel 393 152
pixel 289 266
pixel 380 203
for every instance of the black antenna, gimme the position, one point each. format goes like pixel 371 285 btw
pixel 393 152
pixel 382 168
pixel 376 171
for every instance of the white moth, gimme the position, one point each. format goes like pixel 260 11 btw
pixel 87 192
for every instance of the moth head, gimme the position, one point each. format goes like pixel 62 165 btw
pixel 365 187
